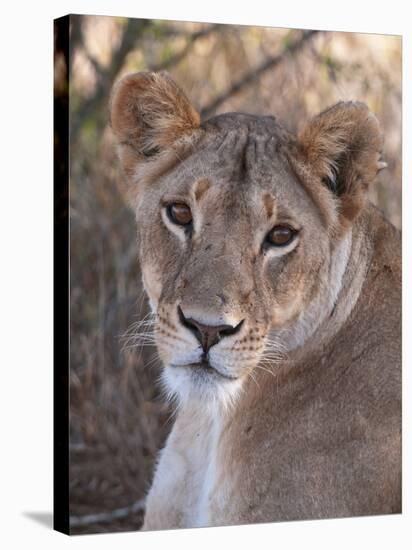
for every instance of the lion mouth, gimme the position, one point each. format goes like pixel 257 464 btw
pixel 207 368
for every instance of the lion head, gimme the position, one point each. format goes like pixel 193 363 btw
pixel 245 229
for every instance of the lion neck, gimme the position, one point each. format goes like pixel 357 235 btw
pixel 338 293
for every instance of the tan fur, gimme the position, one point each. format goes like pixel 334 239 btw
pixel 149 113
pixel 201 187
pixel 343 147
pixel 299 415
pixel 269 204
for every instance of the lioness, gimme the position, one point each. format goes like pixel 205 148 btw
pixel 276 289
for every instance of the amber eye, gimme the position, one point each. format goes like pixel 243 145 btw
pixel 280 235
pixel 179 213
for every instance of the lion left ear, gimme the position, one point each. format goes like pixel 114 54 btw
pixel 342 147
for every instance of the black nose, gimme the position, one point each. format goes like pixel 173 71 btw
pixel 207 335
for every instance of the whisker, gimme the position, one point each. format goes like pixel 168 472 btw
pixel 269 371
pixel 152 361
pixel 254 379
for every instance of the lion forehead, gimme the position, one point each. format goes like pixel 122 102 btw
pixel 238 150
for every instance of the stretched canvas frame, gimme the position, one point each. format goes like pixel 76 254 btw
pixel 63 128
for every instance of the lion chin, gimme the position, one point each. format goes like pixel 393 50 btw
pixel 197 383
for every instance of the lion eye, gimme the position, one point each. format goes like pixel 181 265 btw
pixel 280 235
pixel 179 213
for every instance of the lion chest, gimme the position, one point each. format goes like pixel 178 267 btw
pixel 186 477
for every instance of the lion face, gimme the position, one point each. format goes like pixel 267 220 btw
pixel 243 243
pixel 236 247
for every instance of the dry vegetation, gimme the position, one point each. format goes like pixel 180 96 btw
pixel 117 417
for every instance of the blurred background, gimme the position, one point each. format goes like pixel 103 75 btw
pixel 118 420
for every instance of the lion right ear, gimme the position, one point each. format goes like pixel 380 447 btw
pixel 342 146
pixel 149 113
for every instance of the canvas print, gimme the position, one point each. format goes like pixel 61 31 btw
pixel 227 274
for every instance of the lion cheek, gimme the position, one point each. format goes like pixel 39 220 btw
pixel 287 310
pixel 152 285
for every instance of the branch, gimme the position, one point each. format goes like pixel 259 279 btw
pixel 108 517
pixel 133 31
pixel 77 43
pixel 76 34
pixel 191 39
pixel 256 73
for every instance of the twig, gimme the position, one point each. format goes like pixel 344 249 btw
pixel 256 73
pixel 133 31
pixel 77 42
pixel 107 517
pixel 191 39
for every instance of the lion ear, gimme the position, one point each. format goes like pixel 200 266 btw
pixel 149 113
pixel 342 146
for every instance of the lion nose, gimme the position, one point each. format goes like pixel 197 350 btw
pixel 207 335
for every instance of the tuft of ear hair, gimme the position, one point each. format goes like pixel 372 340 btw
pixel 149 113
pixel 343 146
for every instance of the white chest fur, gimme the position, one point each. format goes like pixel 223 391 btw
pixel 186 474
